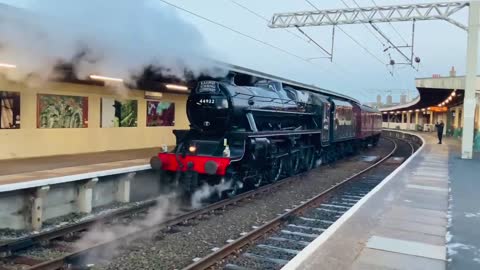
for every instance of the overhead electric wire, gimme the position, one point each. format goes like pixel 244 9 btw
pixel 394 29
pixel 267 20
pixel 366 27
pixel 234 30
pixel 308 40
pixel 353 39
pixel 312 40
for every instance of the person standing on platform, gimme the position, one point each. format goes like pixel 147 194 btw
pixel 439 127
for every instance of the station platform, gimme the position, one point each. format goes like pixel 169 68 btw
pixel 425 215
pixel 18 174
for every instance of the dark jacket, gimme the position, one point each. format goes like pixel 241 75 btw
pixel 440 128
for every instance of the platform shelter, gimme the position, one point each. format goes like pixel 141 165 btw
pixel 440 98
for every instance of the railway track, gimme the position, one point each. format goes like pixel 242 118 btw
pixel 274 244
pixel 75 258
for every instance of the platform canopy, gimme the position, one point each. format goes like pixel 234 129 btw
pixel 433 92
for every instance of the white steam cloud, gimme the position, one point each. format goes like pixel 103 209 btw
pixel 206 191
pixel 106 233
pixel 116 38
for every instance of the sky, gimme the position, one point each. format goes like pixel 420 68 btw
pixel 354 72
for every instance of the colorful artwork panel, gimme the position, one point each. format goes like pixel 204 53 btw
pixel 160 113
pixel 58 111
pixel 9 110
pixel 119 113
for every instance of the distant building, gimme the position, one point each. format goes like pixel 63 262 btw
pixel 379 101
pixel 403 99
pixel 453 72
pixel 389 100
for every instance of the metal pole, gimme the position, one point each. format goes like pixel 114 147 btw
pixel 469 100
pixel 413 40
pixel 333 43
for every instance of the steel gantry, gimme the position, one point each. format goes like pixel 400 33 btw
pixel 377 14
pixel 401 13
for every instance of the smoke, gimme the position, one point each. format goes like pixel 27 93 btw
pixel 206 191
pixel 116 38
pixel 106 233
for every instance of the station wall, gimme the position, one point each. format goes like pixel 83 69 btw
pixel 31 141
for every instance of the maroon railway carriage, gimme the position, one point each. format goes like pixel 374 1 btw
pixel 369 124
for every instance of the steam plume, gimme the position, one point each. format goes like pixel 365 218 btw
pixel 118 38
pixel 106 233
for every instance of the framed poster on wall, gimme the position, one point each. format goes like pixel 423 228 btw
pixel 160 113
pixel 58 111
pixel 118 113
pixel 9 110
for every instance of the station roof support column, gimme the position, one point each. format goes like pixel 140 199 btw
pixel 470 78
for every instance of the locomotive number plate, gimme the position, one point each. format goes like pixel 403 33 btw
pixel 206 101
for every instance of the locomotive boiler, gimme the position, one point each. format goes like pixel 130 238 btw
pixel 247 136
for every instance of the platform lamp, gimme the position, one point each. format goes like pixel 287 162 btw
pixel 105 78
pixel 175 88
pixel 7 66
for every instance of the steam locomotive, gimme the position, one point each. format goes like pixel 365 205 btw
pixel 248 136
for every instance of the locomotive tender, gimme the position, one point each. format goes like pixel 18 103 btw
pixel 247 136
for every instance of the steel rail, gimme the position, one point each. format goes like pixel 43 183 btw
pixel 215 257
pixel 7 247
pixel 65 260
pixel 62 261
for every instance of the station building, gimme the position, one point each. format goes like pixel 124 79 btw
pixel 62 118
pixel 439 99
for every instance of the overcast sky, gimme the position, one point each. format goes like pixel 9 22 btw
pixel 439 44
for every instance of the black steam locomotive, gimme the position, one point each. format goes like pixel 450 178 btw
pixel 248 136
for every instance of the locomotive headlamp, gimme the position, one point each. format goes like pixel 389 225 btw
pixel 192 148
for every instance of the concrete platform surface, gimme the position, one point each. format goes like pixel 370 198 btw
pixel 413 221
pixel 24 165
pixel 34 172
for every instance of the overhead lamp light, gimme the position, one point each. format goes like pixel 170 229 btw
pixel 423 109
pixel 5 65
pixel 453 94
pixel 176 87
pixel 104 78
pixel 392 112
pixel 410 111
pixel 417 110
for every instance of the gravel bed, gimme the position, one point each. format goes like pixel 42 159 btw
pixel 42 253
pixel 284 243
pixel 72 218
pixel 10 265
pixel 10 234
pixel 178 249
